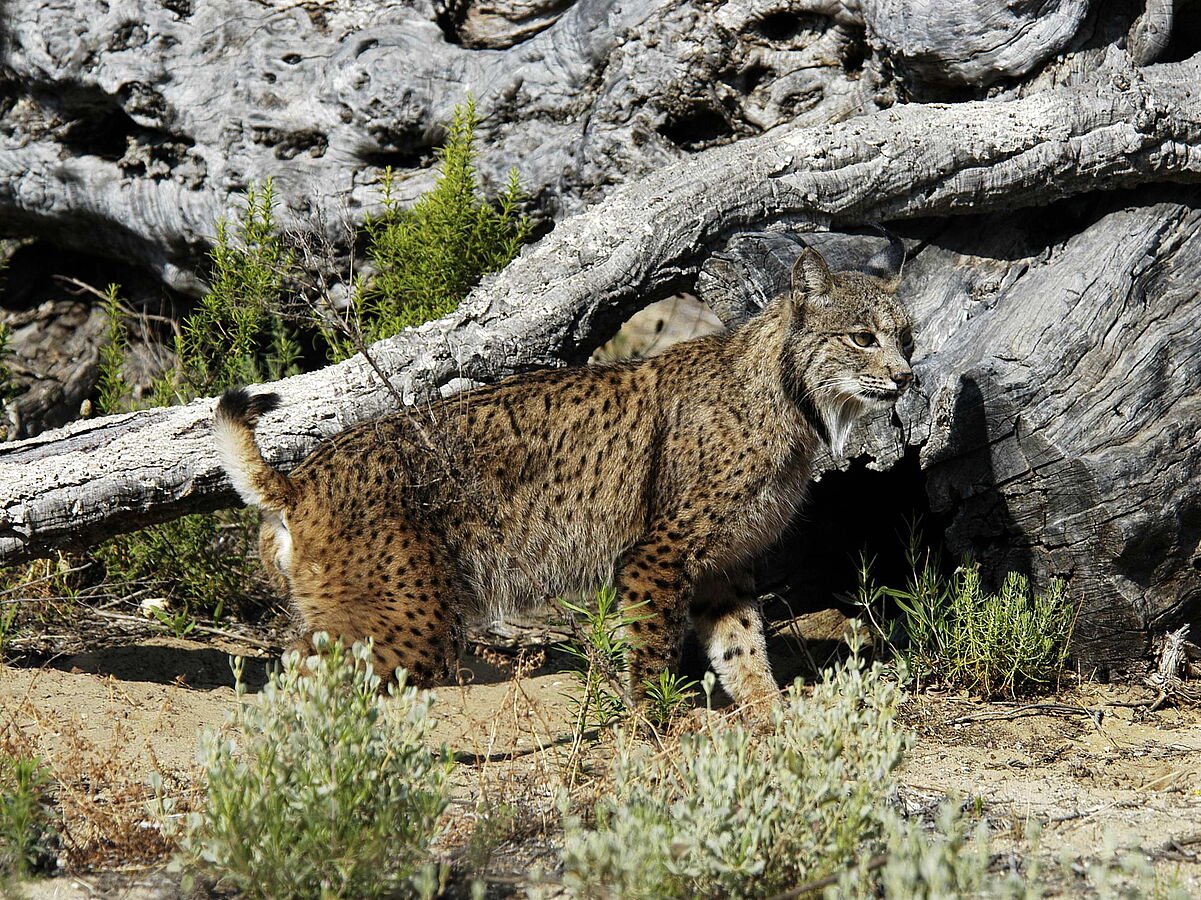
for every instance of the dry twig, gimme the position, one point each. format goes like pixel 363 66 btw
pixel 1169 677
pixel 1031 709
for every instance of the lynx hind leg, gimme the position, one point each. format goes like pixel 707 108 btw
pixel 275 552
pixel 392 586
pixel 730 627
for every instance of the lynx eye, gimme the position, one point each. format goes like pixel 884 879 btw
pixel 863 339
pixel 907 342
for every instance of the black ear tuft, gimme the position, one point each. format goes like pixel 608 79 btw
pixel 887 263
pixel 811 278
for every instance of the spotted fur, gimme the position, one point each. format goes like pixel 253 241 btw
pixel 666 477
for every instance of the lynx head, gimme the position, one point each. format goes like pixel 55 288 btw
pixel 848 346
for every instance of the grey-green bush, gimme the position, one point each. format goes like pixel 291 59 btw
pixel 321 786
pixel 733 815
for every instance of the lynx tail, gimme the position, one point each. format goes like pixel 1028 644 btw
pixel 255 481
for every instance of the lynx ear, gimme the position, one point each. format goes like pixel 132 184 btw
pixel 811 277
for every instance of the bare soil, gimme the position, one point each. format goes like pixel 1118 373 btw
pixel 1091 767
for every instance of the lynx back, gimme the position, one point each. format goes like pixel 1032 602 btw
pixel 665 477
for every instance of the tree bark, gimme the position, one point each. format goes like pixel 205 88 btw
pixel 129 130
pixel 972 44
pixel 1058 408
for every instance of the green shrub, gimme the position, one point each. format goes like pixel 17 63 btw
pixel 321 786
pixel 199 562
pixel 727 814
pixel 111 388
pixel 954 632
pixel 237 335
pixel 8 388
pixel 600 650
pixel 428 257
pixel 26 824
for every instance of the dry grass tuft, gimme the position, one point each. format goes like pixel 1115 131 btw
pixel 104 818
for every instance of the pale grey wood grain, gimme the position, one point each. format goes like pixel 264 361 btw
pixel 973 43
pixel 561 298
pixel 132 127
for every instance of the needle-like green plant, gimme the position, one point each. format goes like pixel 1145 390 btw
pixel 427 257
pixel 26 820
pixel 952 631
pixel 600 650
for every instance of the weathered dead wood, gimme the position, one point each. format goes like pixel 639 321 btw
pixel 1058 402
pixel 497 24
pixel 561 298
pixel 1169 677
pixel 1057 429
pixel 972 43
pixel 127 130
pixel 53 359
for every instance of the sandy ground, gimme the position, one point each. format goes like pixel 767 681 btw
pixel 1093 773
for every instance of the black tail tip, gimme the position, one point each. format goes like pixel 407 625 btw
pixel 238 403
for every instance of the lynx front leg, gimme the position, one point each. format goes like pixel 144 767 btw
pixel 730 627
pixel 654 589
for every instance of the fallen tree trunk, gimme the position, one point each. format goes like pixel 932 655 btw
pixel 563 297
pixel 1020 414
pixel 128 132
pixel 1055 425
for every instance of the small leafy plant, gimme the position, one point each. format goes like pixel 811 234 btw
pixel 238 335
pixel 600 649
pixel 26 821
pixel 8 388
pixel 428 257
pixel 320 786
pixel 668 696
pixel 111 387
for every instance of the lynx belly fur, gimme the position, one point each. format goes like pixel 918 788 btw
pixel 665 477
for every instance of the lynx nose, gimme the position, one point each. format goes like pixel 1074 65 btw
pixel 902 378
